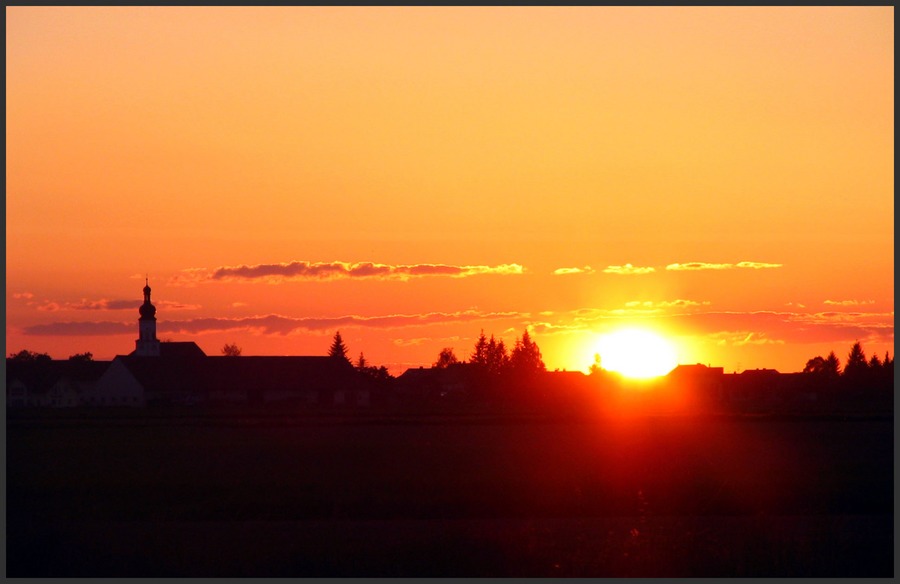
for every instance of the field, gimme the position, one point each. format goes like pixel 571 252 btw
pixel 449 496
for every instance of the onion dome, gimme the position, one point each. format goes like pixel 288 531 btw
pixel 147 310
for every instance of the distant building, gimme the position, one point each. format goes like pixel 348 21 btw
pixel 707 382
pixel 50 383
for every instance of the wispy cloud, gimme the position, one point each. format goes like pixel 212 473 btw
pixel 302 270
pixel 23 295
pixel 566 271
pixel 711 266
pixel 736 328
pixel 268 324
pixel 678 303
pixel 628 269
pixel 417 341
pixel 104 304
pixel 848 302
pixel 742 338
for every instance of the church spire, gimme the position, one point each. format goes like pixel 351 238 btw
pixel 147 344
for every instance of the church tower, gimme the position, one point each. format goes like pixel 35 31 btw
pixel 147 344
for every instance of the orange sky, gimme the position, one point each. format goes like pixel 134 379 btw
pixel 475 155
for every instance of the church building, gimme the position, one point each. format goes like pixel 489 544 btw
pixel 180 372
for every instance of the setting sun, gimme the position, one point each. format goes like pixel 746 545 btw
pixel 636 353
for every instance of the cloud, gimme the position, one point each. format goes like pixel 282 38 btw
pixel 23 296
pixel 628 269
pixel 565 271
pixel 239 304
pixel 104 304
pixel 320 271
pixel 271 324
pixel 848 302
pixel 678 303
pixel 742 338
pixel 757 265
pixel 693 266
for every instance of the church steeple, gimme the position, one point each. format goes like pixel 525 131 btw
pixel 147 345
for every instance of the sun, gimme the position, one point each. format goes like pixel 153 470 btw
pixel 636 353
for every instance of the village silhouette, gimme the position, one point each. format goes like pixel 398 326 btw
pixel 493 378
pixel 170 462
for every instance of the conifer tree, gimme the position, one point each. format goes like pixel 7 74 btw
pixel 497 357
pixel 338 349
pixel 856 362
pixel 832 365
pixel 480 356
pixel 526 356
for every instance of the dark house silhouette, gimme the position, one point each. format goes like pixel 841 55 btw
pixel 49 383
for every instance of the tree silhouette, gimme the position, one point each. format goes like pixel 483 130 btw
pixel 231 350
pixel 857 367
pixel 338 349
pixel 526 356
pixel 497 356
pixel 832 364
pixel 361 363
pixel 875 363
pixel 446 358
pixel 26 355
pixel 595 368
pixel 86 356
pixel 826 368
pixel 816 365
pixel 480 357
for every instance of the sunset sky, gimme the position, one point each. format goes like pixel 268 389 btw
pixel 411 176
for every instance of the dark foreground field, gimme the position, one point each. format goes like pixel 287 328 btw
pixel 281 496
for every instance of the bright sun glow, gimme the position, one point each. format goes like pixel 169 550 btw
pixel 636 353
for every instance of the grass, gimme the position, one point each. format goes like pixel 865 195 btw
pixel 258 496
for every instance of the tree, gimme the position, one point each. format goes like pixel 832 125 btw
pixel 832 365
pixel 887 372
pixel 231 350
pixel 815 366
pixel 86 356
pixel 380 375
pixel 338 349
pixel 526 356
pixel 446 358
pixel 875 363
pixel 497 356
pixel 29 356
pixel 480 357
pixel 595 368
pixel 857 365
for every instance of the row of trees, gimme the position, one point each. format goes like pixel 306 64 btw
pixel 27 356
pixel 493 358
pixel 859 372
